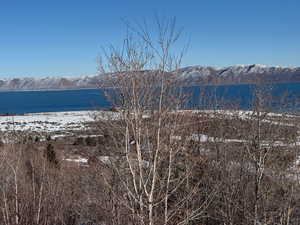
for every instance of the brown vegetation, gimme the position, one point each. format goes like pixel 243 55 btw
pixel 153 163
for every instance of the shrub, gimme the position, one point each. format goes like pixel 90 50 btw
pixel 90 141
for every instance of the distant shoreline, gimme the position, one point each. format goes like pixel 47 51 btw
pixel 26 90
pixel 183 85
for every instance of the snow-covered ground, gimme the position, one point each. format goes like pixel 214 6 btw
pixel 268 117
pixel 206 138
pixel 75 120
pixel 51 121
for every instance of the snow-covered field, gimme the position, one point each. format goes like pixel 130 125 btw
pixel 51 121
pixel 76 120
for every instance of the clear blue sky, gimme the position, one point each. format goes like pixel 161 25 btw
pixel 45 38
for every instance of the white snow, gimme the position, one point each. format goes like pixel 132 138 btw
pixel 205 138
pixel 78 160
pixel 52 121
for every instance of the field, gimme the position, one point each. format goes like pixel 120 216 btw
pixel 225 164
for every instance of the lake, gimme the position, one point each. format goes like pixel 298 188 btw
pixel 20 102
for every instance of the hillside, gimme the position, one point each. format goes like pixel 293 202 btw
pixel 193 75
pixel 240 74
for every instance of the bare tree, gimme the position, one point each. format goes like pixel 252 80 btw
pixel 153 169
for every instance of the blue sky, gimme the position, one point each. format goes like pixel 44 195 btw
pixel 52 38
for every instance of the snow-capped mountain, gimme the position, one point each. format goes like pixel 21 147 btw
pixel 50 83
pixel 239 74
pixel 192 75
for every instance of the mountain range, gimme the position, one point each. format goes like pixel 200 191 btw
pixel 192 75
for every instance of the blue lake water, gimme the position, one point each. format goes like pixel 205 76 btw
pixel 19 102
pixel 278 97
